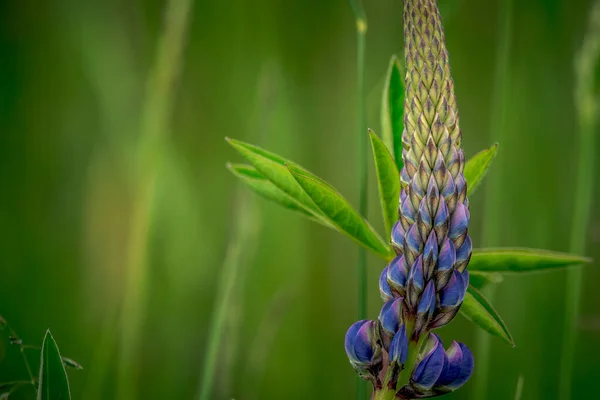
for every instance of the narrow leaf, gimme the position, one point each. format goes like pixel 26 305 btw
pixel 479 279
pixel 340 212
pixel 392 110
pixel 477 166
pixel 273 167
pixel 53 381
pixel 477 309
pixel 521 260
pixel 388 181
pixel 265 188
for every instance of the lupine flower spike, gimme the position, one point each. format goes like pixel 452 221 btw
pixel 424 286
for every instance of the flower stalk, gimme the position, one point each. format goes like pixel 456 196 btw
pixel 424 286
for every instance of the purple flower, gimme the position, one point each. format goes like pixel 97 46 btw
pixel 437 371
pixel 362 348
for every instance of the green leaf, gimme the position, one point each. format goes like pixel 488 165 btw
pixel 480 279
pixel 340 212
pixel 53 381
pixel 477 309
pixel 521 260
pixel 273 167
pixel 477 166
pixel 388 181
pixel 392 110
pixel 265 188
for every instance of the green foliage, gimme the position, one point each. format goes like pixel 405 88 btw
pixel 53 380
pixel 476 308
pixel 392 110
pixel 293 187
pixel 273 167
pixel 340 212
pixel 479 279
pixel 265 188
pixel 304 190
pixel 388 181
pixel 477 166
pixel 521 260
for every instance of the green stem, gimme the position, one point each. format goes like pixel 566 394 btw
pixel 244 231
pixel 587 104
pixel 493 212
pixel 385 394
pixel 154 127
pixel 361 31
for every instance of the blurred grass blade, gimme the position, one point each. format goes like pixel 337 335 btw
pixel 479 279
pixel 477 309
pixel 477 166
pixel 246 223
pixel 340 212
pixel 388 182
pixel 53 380
pixel 273 167
pixel 154 128
pixel 587 103
pixel 519 389
pixel 392 110
pixel 265 188
pixel 521 260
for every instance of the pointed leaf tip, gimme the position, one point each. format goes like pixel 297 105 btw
pixel 477 166
pixel 521 260
pixel 53 380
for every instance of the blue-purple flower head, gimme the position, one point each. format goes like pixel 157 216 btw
pixel 424 286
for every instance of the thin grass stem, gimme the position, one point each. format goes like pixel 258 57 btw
pixel 361 32
pixel 244 233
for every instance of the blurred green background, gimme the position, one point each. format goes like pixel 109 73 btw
pixel 280 74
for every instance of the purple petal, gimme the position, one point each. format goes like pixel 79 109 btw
pixel 398 235
pixel 454 291
pixel 430 254
pixel 402 194
pixel 427 303
pixel 408 211
pixel 429 369
pixel 452 365
pixel 466 368
pixel 350 336
pixel 399 346
pixel 447 256
pixel 459 221
pixel 384 288
pixel 441 217
pixel 413 239
pixel 465 276
pixel 449 188
pixel 416 274
pixel 396 274
pixel 463 254
pixel 390 315
pixel 460 367
pixel 424 215
pixel 364 343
